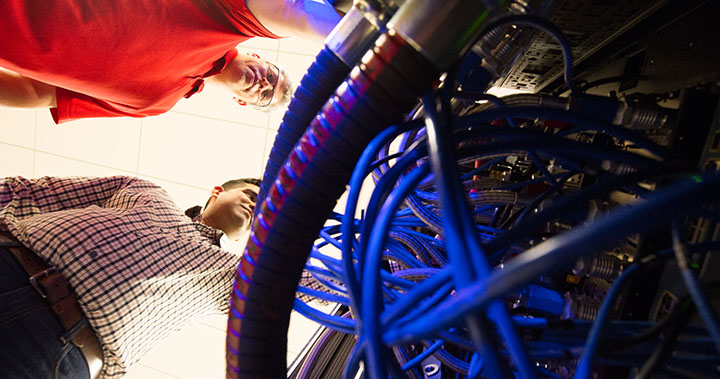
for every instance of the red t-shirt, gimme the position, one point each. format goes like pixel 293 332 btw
pixel 121 57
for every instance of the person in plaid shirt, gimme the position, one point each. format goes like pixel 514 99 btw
pixel 139 268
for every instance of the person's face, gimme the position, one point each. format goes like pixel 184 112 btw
pixel 255 80
pixel 231 210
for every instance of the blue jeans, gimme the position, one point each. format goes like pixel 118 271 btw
pixel 31 335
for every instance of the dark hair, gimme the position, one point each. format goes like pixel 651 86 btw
pixel 230 184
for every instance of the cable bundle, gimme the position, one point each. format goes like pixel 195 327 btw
pixel 528 201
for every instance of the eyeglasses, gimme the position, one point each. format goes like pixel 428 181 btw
pixel 266 95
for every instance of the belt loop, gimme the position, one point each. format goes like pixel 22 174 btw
pixel 72 332
pixel 34 280
pixel 60 358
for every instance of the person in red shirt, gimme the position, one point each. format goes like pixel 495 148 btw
pixel 137 58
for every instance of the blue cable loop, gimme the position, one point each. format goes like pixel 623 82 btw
pixel 421 290
pixel 531 154
pixel 461 237
pixel 420 357
pixel 547 27
pixel 584 367
pixel 475 366
pixel 539 199
pixel 334 265
pixel 323 295
pixel 584 122
pixel 497 246
pixel 327 237
pixel 340 324
pixel 356 355
pixel 322 276
pixel 672 202
pixel 707 314
pixel 382 189
pixel 374 242
pixel 348 236
pixel 371 303
pixel 421 309
pixel 512 140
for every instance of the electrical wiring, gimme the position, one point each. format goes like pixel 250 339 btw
pixel 660 353
pixel 695 290
pixel 397 251
pixel 335 265
pixel 501 238
pixel 461 241
pixel 583 122
pixel 583 369
pixel 424 213
pixel 572 201
pixel 515 140
pixel 484 166
pixel 426 237
pixel 356 180
pixel 340 324
pixel 421 290
pixel 371 305
pixel 403 354
pixel 420 357
pixel 383 188
pixel 327 237
pixel 547 193
pixel 531 154
pixel 323 295
pixel 414 245
pixel 547 27
pixel 420 309
pixel 328 271
pixel 391 307
pixel 319 362
pixel 325 277
pixel 384 160
pixel 331 263
pixel 451 361
pixel 684 307
pixel 642 217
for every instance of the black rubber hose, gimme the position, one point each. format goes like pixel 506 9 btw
pixel 377 93
pixel 321 79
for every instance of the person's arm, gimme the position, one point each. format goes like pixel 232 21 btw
pixel 18 91
pixel 308 19
pixel 20 197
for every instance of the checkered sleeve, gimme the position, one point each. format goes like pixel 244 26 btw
pixel 308 281
pixel 21 198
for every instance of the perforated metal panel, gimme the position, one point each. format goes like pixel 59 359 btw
pixel 588 25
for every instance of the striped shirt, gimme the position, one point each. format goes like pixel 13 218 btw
pixel 140 268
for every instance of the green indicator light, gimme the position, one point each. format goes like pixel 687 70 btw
pixel 475 25
pixel 469 32
pixel 697 178
pixel 694 265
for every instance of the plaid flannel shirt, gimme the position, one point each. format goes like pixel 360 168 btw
pixel 141 269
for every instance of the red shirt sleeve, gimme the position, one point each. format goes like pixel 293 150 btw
pixel 245 22
pixel 74 106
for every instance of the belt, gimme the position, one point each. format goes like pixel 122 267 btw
pixel 51 285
